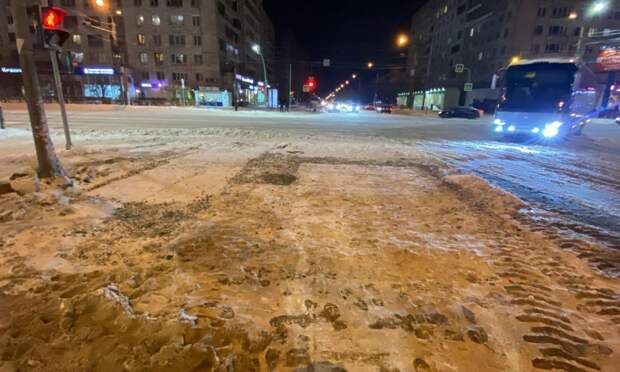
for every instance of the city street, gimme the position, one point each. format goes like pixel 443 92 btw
pixel 198 239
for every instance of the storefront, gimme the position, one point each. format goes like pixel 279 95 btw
pixel 436 99
pixel 402 100
pixel 251 92
pixel 100 82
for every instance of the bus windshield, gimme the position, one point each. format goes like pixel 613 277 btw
pixel 540 87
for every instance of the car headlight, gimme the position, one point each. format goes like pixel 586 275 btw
pixel 550 132
pixel 499 122
pixel 357 108
pixel 556 124
pixel 512 128
pixel 331 107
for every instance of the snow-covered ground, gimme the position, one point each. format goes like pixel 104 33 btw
pixel 255 241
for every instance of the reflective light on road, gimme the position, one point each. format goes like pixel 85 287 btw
pixel 512 128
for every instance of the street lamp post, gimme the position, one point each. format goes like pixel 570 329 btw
pixel 257 49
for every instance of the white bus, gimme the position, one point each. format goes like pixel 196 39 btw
pixel 541 99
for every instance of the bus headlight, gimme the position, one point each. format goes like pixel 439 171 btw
pixel 499 122
pixel 553 129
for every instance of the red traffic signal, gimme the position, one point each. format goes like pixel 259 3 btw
pixel 52 18
pixel 311 83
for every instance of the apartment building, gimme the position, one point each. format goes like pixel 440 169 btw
pixel 158 49
pixel 486 35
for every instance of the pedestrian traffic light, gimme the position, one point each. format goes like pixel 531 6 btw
pixel 54 35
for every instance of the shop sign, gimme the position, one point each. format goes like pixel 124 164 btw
pixel 608 60
pixel 244 79
pixel 11 70
pixel 98 70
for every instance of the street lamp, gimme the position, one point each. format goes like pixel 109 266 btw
pixel 371 65
pixel 402 40
pixel 354 76
pixel 599 7
pixel 257 49
pixel 100 3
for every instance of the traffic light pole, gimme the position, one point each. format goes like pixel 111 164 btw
pixel 48 163
pixel 61 98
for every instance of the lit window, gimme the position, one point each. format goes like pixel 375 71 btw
pixel 176 20
pixel 141 39
pixel 77 39
pixel 140 20
pixel 159 58
pixel 471 32
pixel 144 58
pixel 156 20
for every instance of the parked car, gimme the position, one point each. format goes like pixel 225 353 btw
pixel 384 108
pixel 460 112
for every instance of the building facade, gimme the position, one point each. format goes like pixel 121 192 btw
pixel 486 35
pixel 158 50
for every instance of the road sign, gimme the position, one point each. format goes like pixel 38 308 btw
pixel 327 62
pixel 459 68
pixel 306 88
pixel 469 87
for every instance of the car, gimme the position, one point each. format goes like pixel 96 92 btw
pixel 370 107
pixel 384 108
pixel 618 120
pixel 335 107
pixel 460 112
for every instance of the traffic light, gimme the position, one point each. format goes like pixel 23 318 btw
pixel 311 83
pixel 54 34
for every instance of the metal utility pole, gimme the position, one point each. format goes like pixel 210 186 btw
pixel 290 84
pixel 61 98
pixel 48 162
pixel 2 119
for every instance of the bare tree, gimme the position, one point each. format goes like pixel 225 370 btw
pixel 49 164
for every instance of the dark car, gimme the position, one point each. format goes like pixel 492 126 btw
pixel 384 108
pixel 460 112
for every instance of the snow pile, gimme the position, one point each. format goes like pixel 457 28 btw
pixel 12 132
pixel 483 195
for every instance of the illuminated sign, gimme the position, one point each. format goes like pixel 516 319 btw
pixel 98 70
pixel 11 70
pixel 608 60
pixel 146 85
pixel 244 79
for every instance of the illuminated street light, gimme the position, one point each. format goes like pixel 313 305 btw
pixel 256 48
pixel 515 60
pixel 371 65
pixel 402 40
pixel 119 12
pixel 347 82
pixel 599 7
pixel 573 15
pixel 354 76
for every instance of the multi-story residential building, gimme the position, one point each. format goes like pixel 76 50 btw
pixel 160 49
pixel 486 35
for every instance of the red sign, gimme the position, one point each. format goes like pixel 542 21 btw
pixel 608 60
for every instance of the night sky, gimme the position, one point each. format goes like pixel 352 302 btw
pixel 350 33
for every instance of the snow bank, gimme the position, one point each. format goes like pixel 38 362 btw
pixel 12 132
pixel 484 195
